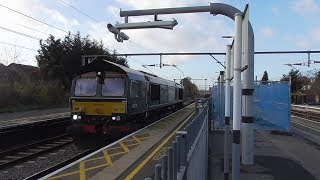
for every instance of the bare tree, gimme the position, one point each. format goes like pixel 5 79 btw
pixel 12 54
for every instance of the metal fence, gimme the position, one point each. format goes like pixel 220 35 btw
pixel 187 158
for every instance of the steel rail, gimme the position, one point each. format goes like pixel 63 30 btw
pixel 21 154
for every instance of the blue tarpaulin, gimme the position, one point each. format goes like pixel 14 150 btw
pixel 271 106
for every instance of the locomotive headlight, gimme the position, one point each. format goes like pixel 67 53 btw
pixel 118 118
pixel 75 117
pixel 79 117
pixel 113 118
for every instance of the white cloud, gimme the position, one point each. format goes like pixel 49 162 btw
pixel 307 41
pixel 114 11
pixel 59 18
pixel 306 7
pixel 39 10
pixel 267 32
pixel 315 35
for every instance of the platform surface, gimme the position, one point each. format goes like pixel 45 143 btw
pixel 277 157
pixel 27 117
pixel 121 160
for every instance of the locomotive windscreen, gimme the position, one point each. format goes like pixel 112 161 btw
pixel 86 87
pixel 113 87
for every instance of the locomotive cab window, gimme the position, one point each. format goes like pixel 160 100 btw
pixel 113 87
pixel 180 94
pixel 155 92
pixel 85 87
pixel 135 89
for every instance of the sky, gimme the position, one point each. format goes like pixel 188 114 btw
pixel 278 26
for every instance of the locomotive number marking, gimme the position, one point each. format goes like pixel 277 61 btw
pixel 119 109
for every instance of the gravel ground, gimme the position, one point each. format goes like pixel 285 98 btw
pixel 41 163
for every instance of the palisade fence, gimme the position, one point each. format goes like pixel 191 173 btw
pixel 187 158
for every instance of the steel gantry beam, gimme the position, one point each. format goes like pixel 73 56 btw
pixel 215 53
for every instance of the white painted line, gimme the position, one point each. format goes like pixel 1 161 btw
pixel 42 116
pixel 306 107
pixel 30 122
pixel 108 146
pixel 305 119
pixel 306 126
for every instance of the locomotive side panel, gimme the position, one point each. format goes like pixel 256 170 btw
pixel 172 94
pixel 137 97
pixel 163 94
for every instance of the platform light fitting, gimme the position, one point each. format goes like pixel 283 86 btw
pixel 149 24
pixel 119 36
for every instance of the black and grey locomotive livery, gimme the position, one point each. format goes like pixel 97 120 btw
pixel 106 95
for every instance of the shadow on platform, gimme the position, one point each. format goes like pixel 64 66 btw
pixel 270 162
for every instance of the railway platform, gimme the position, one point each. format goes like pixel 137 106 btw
pixel 157 152
pixel 11 120
pixel 276 157
pixel 132 157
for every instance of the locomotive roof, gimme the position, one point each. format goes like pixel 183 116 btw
pixel 104 65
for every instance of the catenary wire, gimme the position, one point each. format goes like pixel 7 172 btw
pixel 95 20
pixel 17 46
pixel 20 33
pixel 33 18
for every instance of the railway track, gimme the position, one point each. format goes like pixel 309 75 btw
pixel 307 113
pixel 23 153
pixel 58 166
pixel 306 118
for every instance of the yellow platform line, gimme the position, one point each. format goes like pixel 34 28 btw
pixel 137 139
pixel 106 155
pixel 129 145
pixel 93 159
pixel 154 152
pixel 118 153
pixel 82 171
pixel 144 137
pixel 125 148
pixel 113 148
pixel 96 167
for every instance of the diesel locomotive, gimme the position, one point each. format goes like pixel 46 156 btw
pixel 107 96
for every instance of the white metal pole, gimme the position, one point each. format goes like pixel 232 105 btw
pixel 247 126
pixel 237 98
pixel 227 115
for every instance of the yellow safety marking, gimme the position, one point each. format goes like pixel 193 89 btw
pixel 159 155
pixel 63 175
pixel 118 153
pixel 133 144
pixel 96 167
pixel 113 148
pixel 125 148
pixel 144 162
pixel 82 171
pixel 137 139
pixel 88 160
pixel 106 155
pixel 306 126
